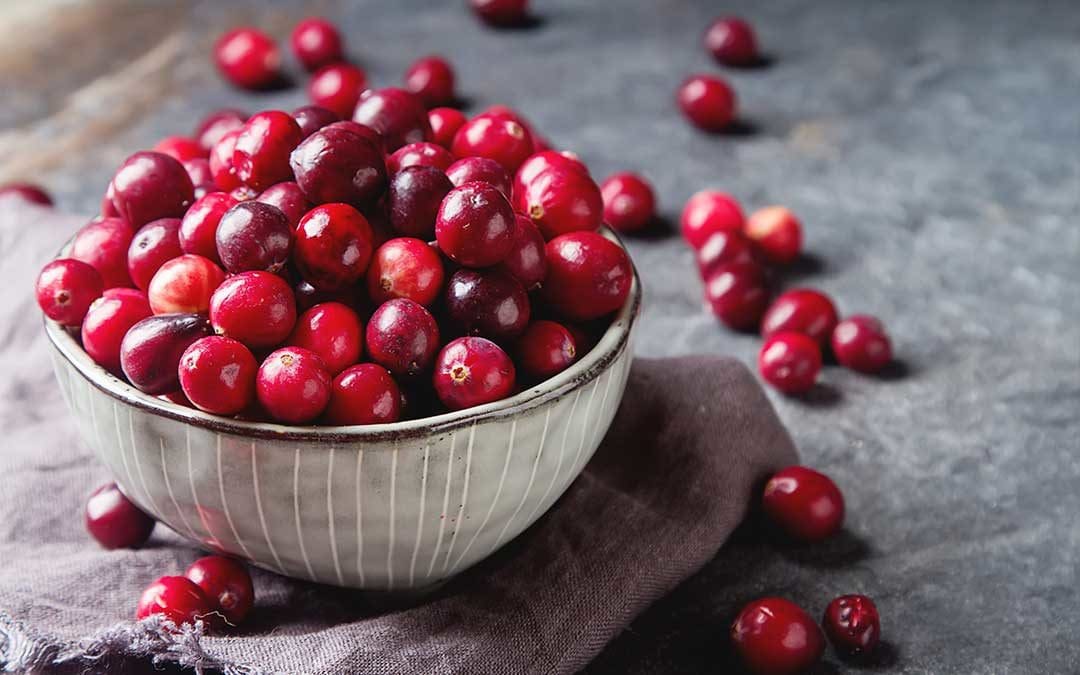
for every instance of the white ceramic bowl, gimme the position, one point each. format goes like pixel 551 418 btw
pixel 382 507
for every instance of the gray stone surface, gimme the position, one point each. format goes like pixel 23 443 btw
pixel 933 152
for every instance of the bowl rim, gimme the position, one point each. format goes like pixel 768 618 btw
pixel 611 344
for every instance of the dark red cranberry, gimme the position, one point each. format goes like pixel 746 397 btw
pixel 198 229
pixel 307 296
pixel 27 192
pixel 337 88
pixel 475 225
pixel 489 303
pixel 414 198
pixel 445 123
pixel 151 350
pixel 198 170
pixel 776 233
pixel 248 58
pixel 154 244
pixel 790 362
pixel 561 201
pixel 66 288
pixel 501 12
pixel 184 284
pixel 256 308
pixel 629 203
pixel 334 243
pixel 254 236
pixel 432 79
pixel 181 148
pixel 316 43
pixel 542 161
pixel 221 162
pixel 289 199
pixel 217 374
pixel 707 213
pixel 774 636
pixel 364 394
pixel 419 154
pixel 732 42
pixel 722 249
pixel 108 320
pixel 588 276
pixel 261 155
pixel 527 260
pixel 852 624
pixel 398 115
pixel 177 599
pixel 805 503
pixel 341 164
pixel 471 371
pixel 545 349
pixel 497 138
pixel 311 118
pixel 470 169
pixel 217 124
pixel 737 294
pixel 402 337
pixel 227 583
pixel 861 343
pixel 293 385
pixel 708 102
pixel 115 521
pixel 331 330
pixel 405 268
pixel 801 310
pixel 103 244
pixel 150 185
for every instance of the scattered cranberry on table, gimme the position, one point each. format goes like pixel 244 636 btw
pixel 776 233
pixel 331 330
pixel 248 58
pixel 501 12
pixel 445 123
pixel 398 115
pixel 707 213
pixel 217 374
pixel 774 636
pixel 737 294
pixel 316 43
pixel 725 247
pixel 114 521
pixel 629 202
pixel 177 599
pixel 471 371
pixel 293 385
pixel 365 393
pixel 861 343
pixel 227 583
pixel 804 503
pixel 432 79
pixel 27 192
pixel 732 42
pixel 66 288
pixel 852 625
pixel 801 310
pixel 790 362
pixel 337 87
pixel 708 102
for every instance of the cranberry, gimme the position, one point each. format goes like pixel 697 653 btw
pixel 801 310
pixel 709 212
pixel 527 260
pixel 150 185
pixel 114 521
pixel 405 268
pixel 432 79
pixel 151 350
pixel 629 203
pixel 244 193
pixel 254 236
pixel 776 233
pixel 261 155
pixel 221 161
pixel 402 337
pixel 542 161
pixel 545 349
pixel 472 371
pixel 445 123
pixel 588 276
pixel 414 198
pixel 337 87
pixel 154 244
pixel 708 102
pixel 289 199
pixel 198 170
pixel 108 320
pixel 217 374
pixel 331 330
pixel 27 192
pixel 481 169
pixel 316 43
pixel 184 284
pixel 737 294
pixel 256 308
pixel 852 624
pixel 364 394
pixel 475 225
pixel 790 362
pixel 66 288
pixel 732 42
pixel 774 636
pixel 217 124
pixel 248 58
pixel 419 154
pixel 103 244
pixel 293 385
pixel 227 583
pixel 861 343
pixel 334 243
pixel 181 148
pixel 805 503
pixel 497 138
pixel 311 118
pixel 561 201
pixel 489 303
pixel 398 115
pixel 177 599
pixel 501 12
pixel 723 248
pixel 198 229
pixel 340 163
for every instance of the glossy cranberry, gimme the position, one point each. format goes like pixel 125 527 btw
pixel 497 138
pixel 311 118
pixel 177 599
pixel 331 330
pixel 154 244
pixel 805 503
pixel 472 371
pixel 150 185
pixel 151 350
pixel 708 102
pixel 545 349
pixel 248 58
pixel 561 201
pixel 542 161
pixel 254 236
pixel 776 233
pixel 337 87
pixel 852 624
pixel 217 124
pixel 432 80
pixel 774 636
pixel 289 199
pixel 114 521
pixel 405 268
pixel 261 155
pixel 490 303
pixel 737 294
pixel 364 394
pixel 221 162
pixel 527 260
pixel 481 169
pixel 256 308
pixel 398 115
pixel 402 337
pixel 227 583
pixel 181 148
pixel 198 229
pixel 414 198
pixel 108 320
pixel 445 123
pixel 732 42
pixel 198 170
pixel 790 362
pixel 66 288
pixel 801 310
pixel 217 374
pixel 316 43
pixel 342 162
pixel 103 244
pixel 861 343
pixel 588 276
pixel 184 284
pixel 293 385
pixel 27 192
pixel 629 203
pixel 707 213
pixel 244 193
pixel 721 249
pixel 501 12
pixel 419 154
pixel 334 243
pixel 475 225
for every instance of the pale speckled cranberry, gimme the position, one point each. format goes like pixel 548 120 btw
pixel 184 284
pixel 405 267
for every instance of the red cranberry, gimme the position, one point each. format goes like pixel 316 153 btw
pixel 364 394
pixel 737 294
pixel 629 203
pixel 475 225
pixel 184 284
pixel 402 337
pixel 261 155
pixel 561 201
pixel 709 212
pixel 217 124
pixel 198 170
pixel 774 636
pixel 472 371
pixel 154 244
pixel 405 268
pixel 316 43
pixel 790 362
pixel 419 154
pixel 311 118
pixel 732 42
pixel 545 349
pixel 501 12
pixel 481 169
pixel 542 161
pixel 432 79
pixel 340 163
pixel 489 303
pixel 151 350
pixel 331 330
pixel 221 162
pixel 497 138
pixel 198 229
pixel 108 320
pixel 244 193
pixel 27 192
pixel 852 624
pixel 177 599
pixel 396 114
pixel 801 310
pixel 805 503
pixel 103 244
pixel 445 123
pixel 414 198
pixel 708 102
pixel 588 276
pixel 248 58
pixel 150 185
pixel 254 236
pixel 776 233
pixel 256 308
pixel 181 148
pixel 527 260
pixel 217 374
pixel 289 199
pixel 338 87
pixel 293 385
pixel 721 249
pixel 334 243
pixel 114 521
pixel 861 343
pixel 227 583
pixel 66 288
